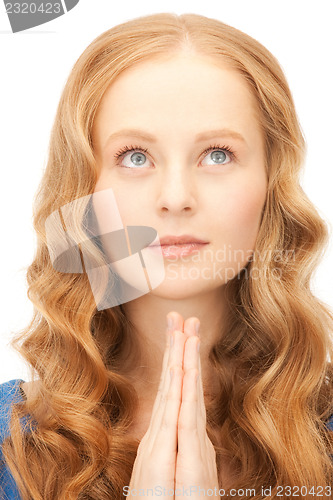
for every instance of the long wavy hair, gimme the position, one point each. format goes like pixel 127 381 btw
pixel 273 358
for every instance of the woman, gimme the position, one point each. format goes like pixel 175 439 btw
pixel 188 126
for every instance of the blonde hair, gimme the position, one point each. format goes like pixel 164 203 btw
pixel 273 360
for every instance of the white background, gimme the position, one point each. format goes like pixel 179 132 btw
pixel 36 63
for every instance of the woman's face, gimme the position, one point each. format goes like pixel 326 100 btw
pixel 196 164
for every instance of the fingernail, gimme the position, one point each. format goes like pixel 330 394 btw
pixel 170 323
pixel 198 346
pixel 196 327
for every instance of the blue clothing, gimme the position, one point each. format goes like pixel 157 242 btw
pixel 10 393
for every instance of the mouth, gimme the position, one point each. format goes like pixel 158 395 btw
pixel 178 240
pixel 178 247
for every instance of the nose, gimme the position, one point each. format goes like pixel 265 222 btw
pixel 177 190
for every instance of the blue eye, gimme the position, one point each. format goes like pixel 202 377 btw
pixel 138 158
pixel 218 156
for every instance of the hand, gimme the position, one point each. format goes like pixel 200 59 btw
pixel 155 463
pixel 196 458
pixel 176 453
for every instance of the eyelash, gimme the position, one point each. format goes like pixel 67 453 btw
pixel 119 155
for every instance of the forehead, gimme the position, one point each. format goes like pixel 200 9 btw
pixel 186 92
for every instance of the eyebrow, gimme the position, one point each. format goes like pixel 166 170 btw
pixel 224 132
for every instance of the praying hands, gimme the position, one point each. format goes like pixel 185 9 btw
pixel 176 453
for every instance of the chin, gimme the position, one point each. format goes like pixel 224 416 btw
pixel 180 289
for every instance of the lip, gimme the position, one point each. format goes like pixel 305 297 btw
pixel 177 246
pixel 179 250
pixel 182 239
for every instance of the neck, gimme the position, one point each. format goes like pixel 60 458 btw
pixel 148 315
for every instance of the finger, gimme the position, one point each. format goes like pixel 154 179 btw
pixel 201 399
pixel 175 323
pixel 202 414
pixel 191 372
pixel 201 408
pixel 178 320
pixel 190 326
pixel 165 440
pixel 188 434
pixel 164 369
pixel 164 425
pixel 175 359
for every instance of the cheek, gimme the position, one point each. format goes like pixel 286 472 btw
pixel 115 205
pixel 240 214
